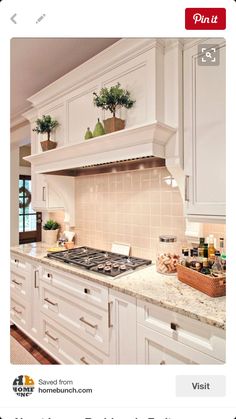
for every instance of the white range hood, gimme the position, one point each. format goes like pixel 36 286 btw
pixel 149 140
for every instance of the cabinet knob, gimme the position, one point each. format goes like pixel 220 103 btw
pixel 86 291
pixel 162 362
pixel 174 326
pixel 49 275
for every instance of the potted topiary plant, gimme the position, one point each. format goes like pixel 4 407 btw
pixel 111 99
pixel 46 125
pixel 50 231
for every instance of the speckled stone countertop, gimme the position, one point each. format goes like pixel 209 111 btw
pixel 145 284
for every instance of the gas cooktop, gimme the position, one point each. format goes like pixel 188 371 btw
pixel 106 263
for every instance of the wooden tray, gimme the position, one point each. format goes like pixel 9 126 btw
pixel 214 287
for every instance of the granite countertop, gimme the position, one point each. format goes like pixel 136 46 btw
pixel 145 284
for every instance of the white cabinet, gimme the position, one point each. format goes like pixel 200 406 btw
pixel 66 347
pixel 20 311
pixel 81 318
pixel 39 191
pixel 20 291
pixel 44 197
pixel 204 134
pixel 78 321
pixel 138 64
pixel 52 193
pixel 167 337
pixel 73 308
pixel 34 299
pixel 155 348
pixel 25 295
pixel 123 328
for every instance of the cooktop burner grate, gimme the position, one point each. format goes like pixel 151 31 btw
pixel 106 263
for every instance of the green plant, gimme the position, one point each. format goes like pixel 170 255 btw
pixel 51 225
pixel 113 99
pixel 45 125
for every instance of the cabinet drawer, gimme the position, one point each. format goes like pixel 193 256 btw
pixel 66 347
pixel 18 264
pixel 88 322
pixel 19 284
pixel 203 337
pixel 155 348
pixel 19 312
pixel 83 289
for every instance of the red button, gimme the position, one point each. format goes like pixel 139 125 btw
pixel 205 18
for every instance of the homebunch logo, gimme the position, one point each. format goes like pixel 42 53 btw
pixel 23 385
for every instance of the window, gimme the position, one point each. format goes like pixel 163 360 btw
pixel 27 216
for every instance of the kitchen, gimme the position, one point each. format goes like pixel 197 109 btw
pixel 122 192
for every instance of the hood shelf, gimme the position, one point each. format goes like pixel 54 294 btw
pixel 142 141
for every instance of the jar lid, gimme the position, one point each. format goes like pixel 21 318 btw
pixel 168 239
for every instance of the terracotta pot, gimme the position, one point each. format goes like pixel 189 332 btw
pixel 48 145
pixel 50 236
pixel 113 124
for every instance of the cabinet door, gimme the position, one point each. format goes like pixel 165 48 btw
pixel 34 321
pixel 204 133
pixel 122 321
pixel 39 191
pixel 155 348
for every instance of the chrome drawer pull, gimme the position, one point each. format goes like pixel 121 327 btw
pixel 84 360
pixel 17 311
pixel 50 302
pixel 94 326
pixel 162 362
pixel 43 194
pixel 109 314
pixel 186 192
pixel 17 283
pixel 50 336
pixel 35 279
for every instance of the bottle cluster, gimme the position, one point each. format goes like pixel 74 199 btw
pixel 206 258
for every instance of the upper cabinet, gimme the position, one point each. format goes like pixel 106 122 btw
pixel 53 193
pixel 204 134
pixel 138 64
pixel 152 71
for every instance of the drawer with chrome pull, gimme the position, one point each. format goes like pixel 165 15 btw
pixel 19 264
pixel 19 284
pixel 66 347
pixel 83 289
pixel 198 335
pixel 19 312
pixel 88 322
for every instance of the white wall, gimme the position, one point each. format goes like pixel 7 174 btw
pixel 19 136
pixel 14 194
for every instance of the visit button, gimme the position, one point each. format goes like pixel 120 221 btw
pixel 200 386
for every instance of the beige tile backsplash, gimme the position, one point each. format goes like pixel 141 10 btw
pixel 130 207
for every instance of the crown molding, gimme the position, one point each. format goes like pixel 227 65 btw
pixel 122 51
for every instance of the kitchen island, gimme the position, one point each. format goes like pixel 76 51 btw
pixel 154 303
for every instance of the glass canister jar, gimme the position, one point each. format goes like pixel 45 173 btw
pixel 167 255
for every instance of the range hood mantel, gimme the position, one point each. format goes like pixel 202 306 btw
pixel 131 143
